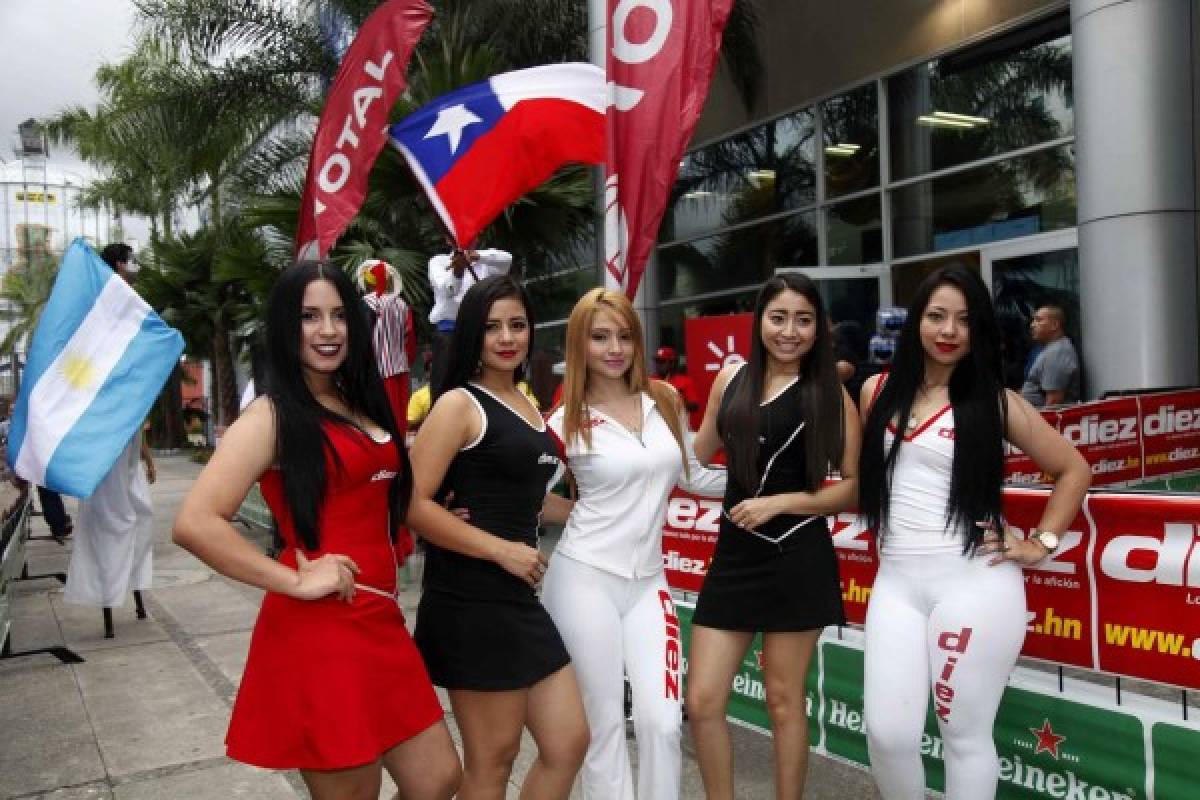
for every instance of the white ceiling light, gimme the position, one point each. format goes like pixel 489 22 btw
pixel 942 122
pixel 962 118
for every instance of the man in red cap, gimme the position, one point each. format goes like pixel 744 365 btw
pixel 666 368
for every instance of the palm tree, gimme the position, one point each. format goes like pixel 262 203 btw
pixel 24 293
pixel 216 104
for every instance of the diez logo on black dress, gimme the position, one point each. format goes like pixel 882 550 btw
pixel 546 458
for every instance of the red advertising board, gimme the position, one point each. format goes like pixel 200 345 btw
pixel 689 538
pixel 713 342
pixel 1018 467
pixel 1121 594
pixel 858 562
pixel 1146 565
pixel 1108 436
pixel 1058 597
pixel 1124 439
pixel 1171 432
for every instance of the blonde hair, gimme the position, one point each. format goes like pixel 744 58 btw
pixel 579 328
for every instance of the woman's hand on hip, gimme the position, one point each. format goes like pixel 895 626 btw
pixel 1007 546
pixel 332 573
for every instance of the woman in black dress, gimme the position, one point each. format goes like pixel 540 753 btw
pixel 785 423
pixel 480 627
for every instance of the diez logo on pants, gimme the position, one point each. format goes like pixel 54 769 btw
pixel 672 656
pixel 943 692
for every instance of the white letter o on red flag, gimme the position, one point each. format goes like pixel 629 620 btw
pixel 630 52
pixel 329 185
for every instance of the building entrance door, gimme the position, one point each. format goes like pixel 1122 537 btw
pixel 1023 276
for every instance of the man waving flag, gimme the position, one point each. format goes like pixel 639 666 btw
pixel 98 359
pixel 479 148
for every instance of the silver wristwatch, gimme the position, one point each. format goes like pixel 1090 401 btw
pixel 1047 539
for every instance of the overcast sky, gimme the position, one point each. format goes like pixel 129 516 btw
pixel 49 52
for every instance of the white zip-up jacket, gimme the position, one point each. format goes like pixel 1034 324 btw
pixel 623 483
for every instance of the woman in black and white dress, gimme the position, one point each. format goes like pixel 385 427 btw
pixel 483 633
pixel 785 423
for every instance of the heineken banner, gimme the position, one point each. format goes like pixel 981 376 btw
pixel 1074 745
pixel 1121 594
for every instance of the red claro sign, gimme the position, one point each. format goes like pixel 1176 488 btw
pixel 715 342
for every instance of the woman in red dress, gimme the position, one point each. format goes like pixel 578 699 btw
pixel 333 684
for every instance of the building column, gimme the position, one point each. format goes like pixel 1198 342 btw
pixel 1136 176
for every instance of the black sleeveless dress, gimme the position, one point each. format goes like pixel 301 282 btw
pixel 784 575
pixel 478 626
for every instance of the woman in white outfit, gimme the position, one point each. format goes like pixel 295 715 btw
pixel 947 610
pixel 626 444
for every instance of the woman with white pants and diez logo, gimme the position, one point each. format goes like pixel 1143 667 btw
pixel 947 611
pixel 626 444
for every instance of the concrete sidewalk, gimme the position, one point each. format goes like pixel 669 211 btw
pixel 144 716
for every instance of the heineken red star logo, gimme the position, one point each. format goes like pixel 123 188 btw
pixel 1047 740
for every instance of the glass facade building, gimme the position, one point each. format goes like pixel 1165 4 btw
pixel 1050 146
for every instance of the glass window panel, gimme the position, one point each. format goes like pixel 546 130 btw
pixel 737 257
pixel 579 254
pixel 759 172
pixel 854 232
pixel 554 297
pixel 851 141
pixel 1006 94
pixel 1020 286
pixel 1018 197
pixel 547 351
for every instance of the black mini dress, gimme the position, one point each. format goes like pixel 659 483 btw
pixel 478 626
pixel 784 575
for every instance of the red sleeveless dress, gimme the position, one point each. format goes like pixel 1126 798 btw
pixel 330 685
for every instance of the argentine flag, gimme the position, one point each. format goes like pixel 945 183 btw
pixel 99 357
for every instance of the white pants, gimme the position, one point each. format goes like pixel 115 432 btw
pixel 613 625
pixel 954 626
pixel 113 551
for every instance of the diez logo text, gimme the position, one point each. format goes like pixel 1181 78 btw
pixel 686 514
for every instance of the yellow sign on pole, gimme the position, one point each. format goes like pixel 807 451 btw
pixel 37 197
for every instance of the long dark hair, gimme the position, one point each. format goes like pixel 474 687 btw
pixel 978 401
pixel 301 444
pixel 466 347
pixel 821 404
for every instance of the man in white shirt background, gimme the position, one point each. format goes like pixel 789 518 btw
pixel 450 276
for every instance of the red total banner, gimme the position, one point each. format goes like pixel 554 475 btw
pixel 661 55
pixel 353 126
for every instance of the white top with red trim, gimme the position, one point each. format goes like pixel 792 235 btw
pixel 624 482
pixel 920 490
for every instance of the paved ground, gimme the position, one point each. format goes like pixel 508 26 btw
pixel 144 716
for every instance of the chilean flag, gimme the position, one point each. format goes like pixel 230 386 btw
pixel 481 147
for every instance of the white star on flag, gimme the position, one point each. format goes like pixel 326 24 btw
pixel 450 123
